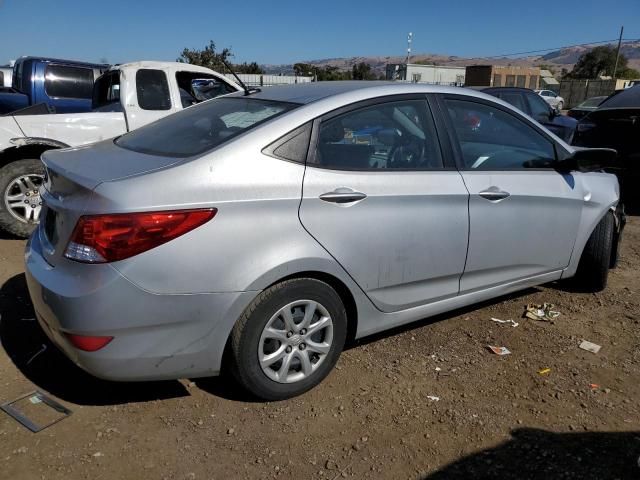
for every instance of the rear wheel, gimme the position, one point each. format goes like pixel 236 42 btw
pixel 288 339
pixel 20 183
pixel 595 262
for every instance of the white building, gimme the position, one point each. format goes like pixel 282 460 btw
pixel 433 74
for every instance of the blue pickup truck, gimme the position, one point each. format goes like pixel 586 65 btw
pixel 63 86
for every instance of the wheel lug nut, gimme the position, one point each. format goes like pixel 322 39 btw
pixel 288 349
pixel 302 346
pixel 289 334
pixel 303 331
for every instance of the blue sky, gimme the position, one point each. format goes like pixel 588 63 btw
pixel 285 31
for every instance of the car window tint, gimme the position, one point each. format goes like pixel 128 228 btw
pixel 292 146
pixel 539 108
pixel 391 135
pixel 68 82
pixel 491 139
pixel 152 89
pixel 202 127
pixel 514 98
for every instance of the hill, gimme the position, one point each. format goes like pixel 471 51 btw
pixel 557 60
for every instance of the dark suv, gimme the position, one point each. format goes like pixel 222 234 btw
pixel 533 105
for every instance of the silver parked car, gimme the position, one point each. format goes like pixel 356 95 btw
pixel 259 232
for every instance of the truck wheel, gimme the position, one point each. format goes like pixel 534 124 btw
pixel 288 339
pixel 593 268
pixel 20 182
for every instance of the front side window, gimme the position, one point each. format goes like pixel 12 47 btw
pixel 152 89
pixel 514 98
pixel 392 135
pixel 197 87
pixel 68 82
pixel 203 127
pixel 492 139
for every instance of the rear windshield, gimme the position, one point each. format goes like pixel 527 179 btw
pixel 202 127
pixel 592 102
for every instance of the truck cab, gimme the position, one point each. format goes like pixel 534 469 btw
pixel 123 98
pixel 64 86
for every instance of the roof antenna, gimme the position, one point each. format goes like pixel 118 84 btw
pixel 247 90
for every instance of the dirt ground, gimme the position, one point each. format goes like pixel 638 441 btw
pixel 375 416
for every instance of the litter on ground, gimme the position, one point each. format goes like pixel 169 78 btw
pixel 543 313
pixel 590 347
pixel 513 324
pixel 433 398
pixel 544 371
pixel 499 350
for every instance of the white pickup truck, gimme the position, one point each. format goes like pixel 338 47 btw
pixel 125 97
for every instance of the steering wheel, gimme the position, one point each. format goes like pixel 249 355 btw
pixel 406 155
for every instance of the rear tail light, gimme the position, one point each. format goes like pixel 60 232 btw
pixel 88 343
pixel 112 237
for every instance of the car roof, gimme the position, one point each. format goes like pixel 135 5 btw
pixel 61 60
pixel 628 98
pixel 507 89
pixel 305 93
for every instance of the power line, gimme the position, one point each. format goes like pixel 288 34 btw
pixel 565 46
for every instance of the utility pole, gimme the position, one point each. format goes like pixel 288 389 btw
pixel 409 37
pixel 615 69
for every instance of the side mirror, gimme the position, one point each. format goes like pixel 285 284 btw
pixel 589 160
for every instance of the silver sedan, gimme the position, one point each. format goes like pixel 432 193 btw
pixel 260 232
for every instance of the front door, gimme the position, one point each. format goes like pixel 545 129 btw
pixel 378 198
pixel 523 214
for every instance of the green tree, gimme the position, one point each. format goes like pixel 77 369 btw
pixel 362 71
pixel 245 67
pixel 207 57
pixel 600 61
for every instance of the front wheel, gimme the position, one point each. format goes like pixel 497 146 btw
pixel 20 206
pixel 593 269
pixel 560 106
pixel 288 339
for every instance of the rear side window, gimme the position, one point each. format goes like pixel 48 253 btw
pixel 106 93
pixel 392 135
pixel 152 89
pixel 203 127
pixel 68 82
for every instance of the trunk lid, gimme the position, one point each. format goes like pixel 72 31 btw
pixel 71 175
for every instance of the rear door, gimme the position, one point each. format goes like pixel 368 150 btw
pixel 523 214
pixel 386 202
pixel 150 99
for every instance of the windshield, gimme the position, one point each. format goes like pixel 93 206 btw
pixel 201 128
pixel 592 102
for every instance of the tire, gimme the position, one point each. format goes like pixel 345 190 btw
pixel 250 340
pixel 10 175
pixel 593 268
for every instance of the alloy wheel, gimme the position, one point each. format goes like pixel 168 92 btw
pixel 22 198
pixel 295 341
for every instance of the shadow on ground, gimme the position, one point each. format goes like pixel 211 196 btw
pixel 539 454
pixel 50 370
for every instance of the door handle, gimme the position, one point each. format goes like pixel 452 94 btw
pixel 494 194
pixel 342 195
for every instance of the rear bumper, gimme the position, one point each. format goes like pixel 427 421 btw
pixel 155 336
